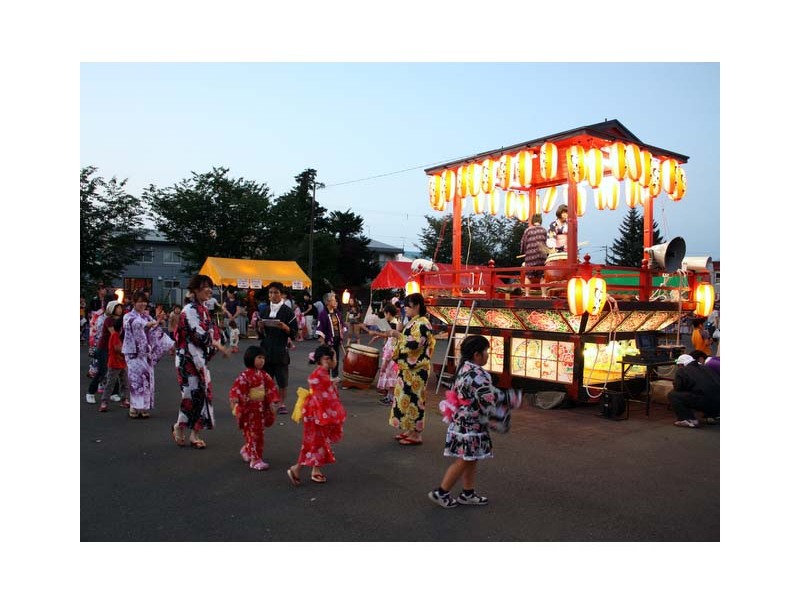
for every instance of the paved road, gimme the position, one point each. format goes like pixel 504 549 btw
pixel 559 475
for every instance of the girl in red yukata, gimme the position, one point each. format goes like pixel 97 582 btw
pixel 251 398
pixel 323 416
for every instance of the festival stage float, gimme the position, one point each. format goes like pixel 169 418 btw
pixel 582 327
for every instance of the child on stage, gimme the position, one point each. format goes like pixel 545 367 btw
pixel 323 415
pixel 471 408
pixel 251 399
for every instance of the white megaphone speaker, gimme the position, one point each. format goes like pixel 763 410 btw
pixel 703 264
pixel 668 256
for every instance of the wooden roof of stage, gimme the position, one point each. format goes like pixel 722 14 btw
pixel 608 131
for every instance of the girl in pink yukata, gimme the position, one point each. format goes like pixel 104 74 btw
pixel 252 396
pixel 387 377
pixel 143 345
pixel 323 416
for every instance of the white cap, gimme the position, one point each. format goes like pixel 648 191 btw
pixel 684 359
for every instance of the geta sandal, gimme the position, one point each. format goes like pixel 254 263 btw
pixel 318 478
pixel 294 479
pixel 199 444
pixel 179 440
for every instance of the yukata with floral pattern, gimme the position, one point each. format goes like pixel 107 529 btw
pixel 194 348
pixel 413 355
pixel 143 346
pixel 323 418
pixel 468 432
pixel 387 377
pixel 254 392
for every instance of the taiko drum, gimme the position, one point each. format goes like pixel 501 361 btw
pixel 360 365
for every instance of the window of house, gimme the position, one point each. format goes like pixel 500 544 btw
pixel 172 257
pixel 146 256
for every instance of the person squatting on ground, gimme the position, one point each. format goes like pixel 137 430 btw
pixel 144 344
pixel 277 327
pixel 471 408
pixel 413 354
pixel 251 397
pixel 323 416
pixel 197 341
pixel 695 387
pixel 117 369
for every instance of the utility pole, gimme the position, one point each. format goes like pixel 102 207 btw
pixel 314 186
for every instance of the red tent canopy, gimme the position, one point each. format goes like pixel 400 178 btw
pixel 394 275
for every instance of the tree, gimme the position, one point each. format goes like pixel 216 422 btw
pixel 291 214
pixel 628 250
pixel 212 214
pixel 111 222
pixel 356 263
pixel 483 238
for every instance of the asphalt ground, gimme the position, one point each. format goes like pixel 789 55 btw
pixel 561 475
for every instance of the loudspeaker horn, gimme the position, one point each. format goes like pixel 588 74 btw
pixel 698 263
pixel 668 256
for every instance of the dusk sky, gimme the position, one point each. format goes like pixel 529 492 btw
pixel 370 129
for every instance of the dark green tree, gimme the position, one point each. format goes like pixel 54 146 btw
pixel 212 214
pixel 291 214
pixel 356 263
pixel 628 249
pixel 111 222
pixel 483 238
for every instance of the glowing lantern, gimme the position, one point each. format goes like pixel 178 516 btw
pixel 477 204
pixel 523 206
pixel 633 193
pixel 633 161
pixel 704 299
pixel 594 167
pixel 474 178
pixel 525 167
pixel 655 178
pixel 511 204
pixel 449 180
pixel 680 185
pixel 412 286
pixel 580 208
pixel 576 162
pixel 435 192
pixel 494 201
pixel 346 297
pixel 548 161
pixel 611 193
pixel 549 200
pixel 597 295
pixel 669 179
pixel 504 172
pixel 461 181
pixel 599 198
pixel 646 174
pixel 616 154
pixel 487 175
pixel 577 294
pixel 120 293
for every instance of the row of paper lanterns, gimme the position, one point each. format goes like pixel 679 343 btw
pixel 626 161
pixel 590 296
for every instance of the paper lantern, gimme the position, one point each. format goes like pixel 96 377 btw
pixel 494 201
pixel 594 167
pixel 599 198
pixel 525 168
pixel 632 193
pixel 633 161
pixel 576 163
pixel 646 174
pixel 474 178
pixel 616 155
pixel 435 192
pixel 580 207
pixel 345 297
pixel 655 178
pixel 611 193
pixel 487 175
pixel 477 203
pixel 120 293
pixel 549 199
pixel 449 180
pixel 577 295
pixel 412 286
pixel 523 206
pixel 504 172
pixel 548 161
pixel 680 185
pixel 704 299
pixel 510 204
pixel 461 181
pixel 597 295
pixel 669 179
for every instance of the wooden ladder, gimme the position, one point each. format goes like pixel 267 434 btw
pixel 444 376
